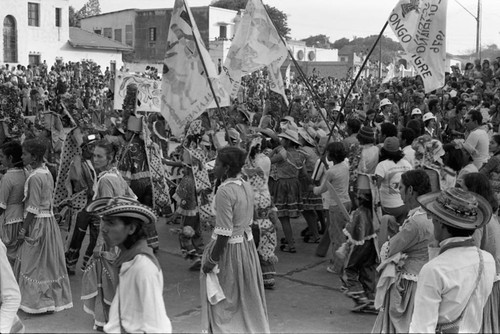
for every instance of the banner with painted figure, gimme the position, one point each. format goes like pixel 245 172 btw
pixel 148 91
pixel 255 45
pixel 420 26
pixel 186 92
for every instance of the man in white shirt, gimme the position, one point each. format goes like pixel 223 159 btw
pixel 477 138
pixel 406 137
pixel 454 286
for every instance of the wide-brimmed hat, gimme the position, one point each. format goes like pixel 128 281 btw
pixel 268 133
pixel 458 208
pixel 290 135
pixel 304 134
pixel 391 144
pixel 367 134
pixel 122 207
pixel 247 113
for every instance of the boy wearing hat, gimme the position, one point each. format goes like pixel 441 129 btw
pixel 453 287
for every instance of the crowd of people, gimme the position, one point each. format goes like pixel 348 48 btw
pixel 402 186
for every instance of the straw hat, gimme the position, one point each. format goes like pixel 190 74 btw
pixel 304 134
pixel 458 208
pixel 122 207
pixel 268 133
pixel 291 135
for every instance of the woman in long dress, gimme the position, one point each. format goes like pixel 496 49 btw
pixel 11 197
pixel 406 253
pixel 40 266
pixel 232 256
pixel 100 277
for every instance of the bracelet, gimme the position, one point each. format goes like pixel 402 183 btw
pixel 210 260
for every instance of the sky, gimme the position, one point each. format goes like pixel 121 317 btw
pixel 355 18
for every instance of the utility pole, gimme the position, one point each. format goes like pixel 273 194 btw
pixel 478 30
pixel 380 59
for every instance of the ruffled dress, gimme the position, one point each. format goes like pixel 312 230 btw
pixel 40 267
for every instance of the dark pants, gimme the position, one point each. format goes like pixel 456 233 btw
pixel 143 189
pixel 84 220
pixel 360 270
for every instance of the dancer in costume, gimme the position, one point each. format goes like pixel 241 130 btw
pixel 257 169
pixel 40 266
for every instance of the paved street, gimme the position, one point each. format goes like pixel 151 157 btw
pixel 306 299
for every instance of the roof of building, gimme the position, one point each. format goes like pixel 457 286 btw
pixel 79 38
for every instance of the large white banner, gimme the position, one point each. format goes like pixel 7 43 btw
pixel 420 26
pixel 148 91
pixel 256 45
pixel 186 92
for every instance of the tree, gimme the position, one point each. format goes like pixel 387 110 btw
pixel 74 21
pixel 278 17
pixel 320 41
pixel 91 8
pixel 340 43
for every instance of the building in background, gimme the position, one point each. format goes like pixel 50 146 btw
pixel 36 30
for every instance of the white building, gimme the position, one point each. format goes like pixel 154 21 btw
pixel 37 30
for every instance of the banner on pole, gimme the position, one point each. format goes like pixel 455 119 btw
pixel 420 26
pixel 186 92
pixel 256 45
pixel 148 91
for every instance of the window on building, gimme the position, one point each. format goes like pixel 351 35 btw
pixel 108 32
pixel 98 31
pixel 129 35
pixel 118 35
pixel 34 59
pixel 152 34
pixel 58 17
pixel 223 32
pixel 9 40
pixel 33 14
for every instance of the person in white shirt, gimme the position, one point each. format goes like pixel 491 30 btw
pixel 406 138
pixel 10 296
pixel 477 137
pixel 138 305
pixel 453 287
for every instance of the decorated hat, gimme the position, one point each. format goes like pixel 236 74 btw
pixel 457 208
pixel 428 116
pixel 367 134
pixel 416 111
pixel 122 207
pixel 291 135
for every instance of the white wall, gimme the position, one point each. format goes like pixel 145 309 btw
pixel 220 15
pixel 114 20
pixel 45 40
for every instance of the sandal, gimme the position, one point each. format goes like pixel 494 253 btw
pixel 288 249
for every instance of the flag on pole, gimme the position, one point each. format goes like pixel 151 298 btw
pixel 186 92
pixel 256 45
pixel 420 26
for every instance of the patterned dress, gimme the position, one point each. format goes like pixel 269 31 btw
pixel 40 267
pixel 262 227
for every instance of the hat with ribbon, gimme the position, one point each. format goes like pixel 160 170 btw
pixel 122 207
pixel 457 208
pixel 291 135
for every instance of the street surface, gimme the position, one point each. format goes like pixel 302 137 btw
pixel 306 299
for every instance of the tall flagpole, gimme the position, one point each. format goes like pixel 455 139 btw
pixel 206 72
